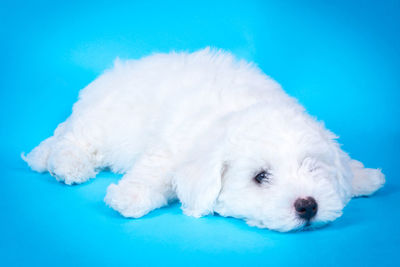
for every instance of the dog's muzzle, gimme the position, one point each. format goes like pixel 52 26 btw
pixel 306 208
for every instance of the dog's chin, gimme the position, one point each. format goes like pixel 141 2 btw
pixel 295 226
pixel 298 226
pixel 309 226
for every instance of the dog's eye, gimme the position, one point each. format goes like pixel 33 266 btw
pixel 262 177
pixel 314 168
pixel 311 164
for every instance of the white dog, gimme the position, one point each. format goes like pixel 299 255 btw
pixel 213 132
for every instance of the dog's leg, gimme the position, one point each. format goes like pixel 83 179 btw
pixel 71 162
pixel 65 158
pixel 38 157
pixel 366 181
pixel 145 187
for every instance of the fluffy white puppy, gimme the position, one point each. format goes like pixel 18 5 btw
pixel 211 131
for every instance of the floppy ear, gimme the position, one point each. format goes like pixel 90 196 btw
pixel 340 163
pixel 365 180
pixel 354 179
pixel 198 181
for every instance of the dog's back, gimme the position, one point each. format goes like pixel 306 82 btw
pixel 163 98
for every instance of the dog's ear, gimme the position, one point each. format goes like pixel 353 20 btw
pixel 354 179
pixel 198 180
pixel 365 180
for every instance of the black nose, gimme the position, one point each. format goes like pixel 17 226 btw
pixel 306 208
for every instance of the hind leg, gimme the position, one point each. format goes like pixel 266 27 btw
pixel 38 157
pixel 71 162
pixel 65 158
pixel 366 181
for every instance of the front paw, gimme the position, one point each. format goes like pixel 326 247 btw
pixel 133 200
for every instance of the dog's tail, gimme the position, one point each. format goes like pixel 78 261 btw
pixel 37 158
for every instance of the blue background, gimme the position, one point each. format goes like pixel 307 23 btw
pixel 341 59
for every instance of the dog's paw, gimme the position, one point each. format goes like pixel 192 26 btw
pixel 133 200
pixel 70 166
pixel 38 157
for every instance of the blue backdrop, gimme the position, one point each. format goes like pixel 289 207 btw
pixel 341 59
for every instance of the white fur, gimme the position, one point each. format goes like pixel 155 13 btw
pixel 199 127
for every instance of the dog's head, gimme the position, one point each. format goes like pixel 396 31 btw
pixel 274 169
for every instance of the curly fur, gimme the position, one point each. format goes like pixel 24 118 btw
pixel 198 127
